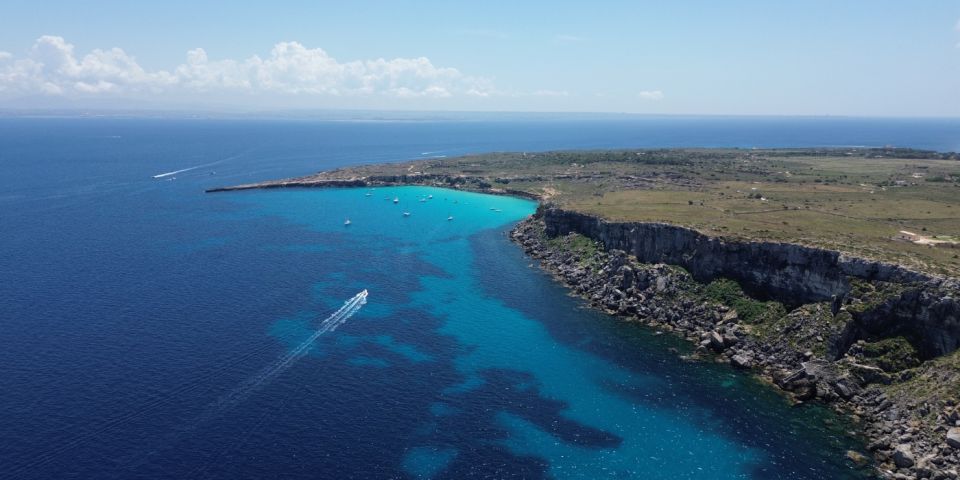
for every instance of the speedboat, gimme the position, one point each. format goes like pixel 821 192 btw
pixel 406 214
pixel 430 196
pixel 450 218
pixel 346 223
pixel 396 199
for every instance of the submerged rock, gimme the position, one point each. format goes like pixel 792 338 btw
pixel 857 457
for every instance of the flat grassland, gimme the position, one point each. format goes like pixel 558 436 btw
pixel 852 200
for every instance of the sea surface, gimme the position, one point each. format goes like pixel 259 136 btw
pixel 150 330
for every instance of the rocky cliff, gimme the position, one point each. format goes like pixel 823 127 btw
pixel 923 309
pixel 852 343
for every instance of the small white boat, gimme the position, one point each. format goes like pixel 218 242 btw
pixel 346 223
pixel 430 196
pixel 368 195
pixel 450 218
pixel 396 199
pixel 423 200
pixel 406 214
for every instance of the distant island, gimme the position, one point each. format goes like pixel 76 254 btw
pixel 832 273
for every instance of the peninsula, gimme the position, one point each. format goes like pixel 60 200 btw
pixel 830 272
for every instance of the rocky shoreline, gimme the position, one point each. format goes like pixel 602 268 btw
pixel 908 437
pixel 331 180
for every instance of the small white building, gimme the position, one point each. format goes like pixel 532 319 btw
pixel 907 236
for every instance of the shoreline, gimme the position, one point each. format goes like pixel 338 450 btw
pixel 901 446
pixel 456 183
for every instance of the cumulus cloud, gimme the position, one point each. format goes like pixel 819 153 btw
pixel 53 67
pixel 651 95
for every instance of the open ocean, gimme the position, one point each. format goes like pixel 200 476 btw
pixel 150 330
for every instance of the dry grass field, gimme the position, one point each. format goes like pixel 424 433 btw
pixel 854 201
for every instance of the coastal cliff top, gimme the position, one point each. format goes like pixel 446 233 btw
pixel 896 205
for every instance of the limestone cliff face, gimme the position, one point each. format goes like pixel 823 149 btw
pixel 928 312
pixel 928 315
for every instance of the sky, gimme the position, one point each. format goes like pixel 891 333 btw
pixel 738 57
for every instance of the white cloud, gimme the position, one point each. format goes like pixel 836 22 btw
pixel 5 55
pixel 52 67
pixel 53 62
pixel 653 95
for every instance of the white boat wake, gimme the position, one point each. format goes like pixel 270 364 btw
pixel 168 174
pixel 349 308
pixel 331 323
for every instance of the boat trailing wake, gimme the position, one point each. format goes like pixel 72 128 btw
pixel 349 308
pixel 331 323
pixel 169 174
pixel 339 317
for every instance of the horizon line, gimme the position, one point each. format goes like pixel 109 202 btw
pixel 305 113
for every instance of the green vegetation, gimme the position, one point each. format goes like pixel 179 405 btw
pixel 869 295
pixel 933 382
pixel 891 354
pixel 729 293
pixel 582 247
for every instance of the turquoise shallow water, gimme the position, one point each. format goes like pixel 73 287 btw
pixel 566 406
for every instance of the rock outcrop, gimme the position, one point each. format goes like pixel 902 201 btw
pixel 927 312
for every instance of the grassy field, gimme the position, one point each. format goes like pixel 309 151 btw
pixel 855 201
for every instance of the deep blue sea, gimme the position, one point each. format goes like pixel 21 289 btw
pixel 150 330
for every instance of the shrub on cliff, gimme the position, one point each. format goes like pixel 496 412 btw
pixel 729 293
